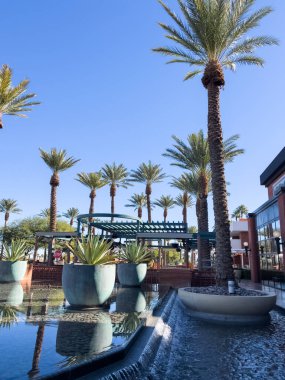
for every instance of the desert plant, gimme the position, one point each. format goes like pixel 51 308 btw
pixel 16 251
pixel 135 253
pixel 92 251
pixel 8 315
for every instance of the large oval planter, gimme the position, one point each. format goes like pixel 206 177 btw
pixel 226 308
pixel 88 285
pixel 130 274
pixel 82 338
pixel 129 300
pixel 12 271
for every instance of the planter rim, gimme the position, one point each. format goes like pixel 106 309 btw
pixel 233 296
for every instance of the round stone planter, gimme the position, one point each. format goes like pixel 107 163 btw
pixel 129 300
pixel 82 338
pixel 227 308
pixel 12 271
pixel 130 274
pixel 88 285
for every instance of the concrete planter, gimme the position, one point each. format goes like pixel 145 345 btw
pixel 88 285
pixel 12 271
pixel 226 308
pixel 130 274
pixel 129 300
pixel 84 338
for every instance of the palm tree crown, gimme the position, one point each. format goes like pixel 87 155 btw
pixel 212 34
pixel 115 176
pixel 9 206
pixel 166 202
pixel 70 214
pixel 137 202
pixel 93 181
pixel 13 100
pixel 148 174
pixel 240 211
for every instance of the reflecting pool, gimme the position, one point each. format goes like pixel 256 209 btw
pixel 40 333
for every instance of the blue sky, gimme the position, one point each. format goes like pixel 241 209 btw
pixel 106 97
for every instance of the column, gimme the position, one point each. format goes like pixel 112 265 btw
pixel 254 249
pixel 281 207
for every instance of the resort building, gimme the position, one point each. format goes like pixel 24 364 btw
pixel 267 223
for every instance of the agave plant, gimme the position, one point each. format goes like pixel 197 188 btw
pixel 129 325
pixel 16 251
pixel 135 253
pixel 92 251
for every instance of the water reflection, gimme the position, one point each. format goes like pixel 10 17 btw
pixel 130 300
pixel 86 337
pixel 11 297
pixel 128 325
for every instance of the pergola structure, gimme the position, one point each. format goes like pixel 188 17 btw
pixel 132 228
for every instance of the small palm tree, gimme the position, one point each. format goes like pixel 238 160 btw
pixel 115 176
pixel 58 162
pixel 70 214
pixel 9 206
pixel 185 201
pixel 211 36
pixel 137 201
pixel 166 202
pixel 13 100
pixel 93 181
pixel 148 174
pixel 239 212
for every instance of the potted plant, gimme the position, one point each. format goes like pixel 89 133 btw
pixel 90 282
pixel 132 271
pixel 13 265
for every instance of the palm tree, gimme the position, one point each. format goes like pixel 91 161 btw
pixel 70 214
pixel 194 156
pixel 13 100
pixel 9 206
pixel 93 181
pixel 211 36
pixel 115 176
pixel 58 162
pixel 148 174
pixel 239 212
pixel 137 201
pixel 185 201
pixel 166 202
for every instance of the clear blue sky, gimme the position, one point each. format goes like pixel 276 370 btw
pixel 106 97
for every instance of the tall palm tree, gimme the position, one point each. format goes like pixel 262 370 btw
pixel 93 181
pixel 194 155
pixel 13 99
pixel 185 201
pixel 137 201
pixel 148 174
pixel 115 176
pixel 57 161
pixel 166 202
pixel 70 214
pixel 212 35
pixel 9 206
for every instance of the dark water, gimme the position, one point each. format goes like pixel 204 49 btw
pixel 200 351
pixel 40 334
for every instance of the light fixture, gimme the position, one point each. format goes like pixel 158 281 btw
pixel 245 244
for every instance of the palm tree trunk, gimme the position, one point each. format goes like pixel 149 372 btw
pixel 184 211
pixel 71 222
pixel 91 207
pixel 164 215
pixel 139 212
pixel 112 194
pixel 204 227
pixel 148 192
pixel 224 270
